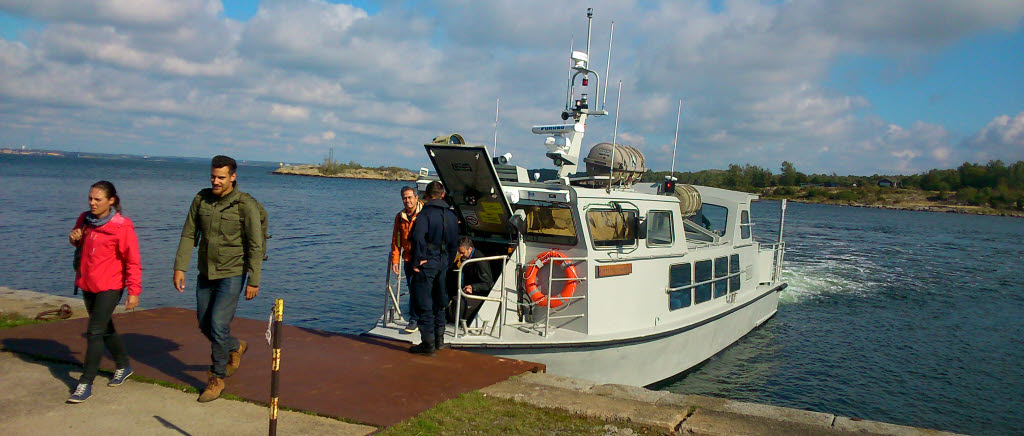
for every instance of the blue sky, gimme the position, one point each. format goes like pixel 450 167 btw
pixel 959 86
pixel 833 86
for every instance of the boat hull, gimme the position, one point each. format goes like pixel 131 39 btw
pixel 646 360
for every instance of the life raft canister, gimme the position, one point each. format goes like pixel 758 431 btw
pixel 530 278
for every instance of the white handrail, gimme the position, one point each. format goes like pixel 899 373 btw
pixel 500 315
pixel 553 296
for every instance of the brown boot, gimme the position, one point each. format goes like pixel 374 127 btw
pixel 213 389
pixel 235 358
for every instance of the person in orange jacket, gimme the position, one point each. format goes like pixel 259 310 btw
pixel 401 247
pixel 107 263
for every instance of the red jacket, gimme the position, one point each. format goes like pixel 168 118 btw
pixel 110 257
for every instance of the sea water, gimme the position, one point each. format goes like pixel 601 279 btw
pixel 914 318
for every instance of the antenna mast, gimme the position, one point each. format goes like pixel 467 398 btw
pixel 564 140
pixel 675 142
pixel 590 16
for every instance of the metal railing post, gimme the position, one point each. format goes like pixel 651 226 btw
pixel 275 364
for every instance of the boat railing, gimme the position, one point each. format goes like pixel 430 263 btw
pixel 499 317
pixel 393 294
pixel 778 253
pixel 566 301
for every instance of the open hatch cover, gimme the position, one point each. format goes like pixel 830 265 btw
pixel 473 186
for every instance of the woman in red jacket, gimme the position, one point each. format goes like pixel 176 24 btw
pixel 109 264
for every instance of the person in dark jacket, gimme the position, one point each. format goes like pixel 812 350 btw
pixel 226 221
pixel 476 277
pixel 434 243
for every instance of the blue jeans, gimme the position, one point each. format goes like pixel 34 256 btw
pixel 216 301
pixel 430 299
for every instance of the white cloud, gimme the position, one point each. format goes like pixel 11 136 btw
pixel 289 113
pixel 1001 138
pixel 112 12
pixel 752 78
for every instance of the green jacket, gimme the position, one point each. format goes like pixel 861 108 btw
pixel 230 242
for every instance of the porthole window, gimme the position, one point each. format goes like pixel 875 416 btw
pixel 702 272
pixel 680 276
pixel 734 271
pixel 721 285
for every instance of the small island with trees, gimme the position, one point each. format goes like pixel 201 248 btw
pixel 351 170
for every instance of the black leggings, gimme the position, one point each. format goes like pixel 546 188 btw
pixel 101 332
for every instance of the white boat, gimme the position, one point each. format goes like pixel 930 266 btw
pixel 649 279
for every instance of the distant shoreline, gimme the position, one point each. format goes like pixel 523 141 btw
pixel 357 173
pixel 916 207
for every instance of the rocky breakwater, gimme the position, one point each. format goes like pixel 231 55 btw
pixel 349 173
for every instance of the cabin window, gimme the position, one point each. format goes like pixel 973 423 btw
pixel 734 273
pixel 702 272
pixel 612 228
pixel 712 218
pixel 548 223
pixel 721 285
pixel 745 224
pixel 680 276
pixel 659 227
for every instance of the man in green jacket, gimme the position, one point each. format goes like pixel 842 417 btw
pixel 227 223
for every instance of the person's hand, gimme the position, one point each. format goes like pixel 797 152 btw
pixel 467 289
pixel 251 291
pixel 131 302
pixel 179 280
pixel 417 267
pixel 75 236
pixel 394 268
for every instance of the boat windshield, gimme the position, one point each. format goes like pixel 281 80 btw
pixel 712 217
pixel 548 222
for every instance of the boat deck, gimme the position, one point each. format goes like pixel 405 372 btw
pixel 367 380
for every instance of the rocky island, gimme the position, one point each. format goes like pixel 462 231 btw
pixel 350 172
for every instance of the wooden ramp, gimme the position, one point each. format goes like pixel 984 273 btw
pixel 367 380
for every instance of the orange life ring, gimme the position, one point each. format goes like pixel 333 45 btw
pixel 530 277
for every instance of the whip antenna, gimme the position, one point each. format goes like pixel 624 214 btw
pixel 608 66
pixel 494 151
pixel 615 134
pixel 568 89
pixel 675 142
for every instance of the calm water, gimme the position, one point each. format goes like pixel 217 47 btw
pixel 906 317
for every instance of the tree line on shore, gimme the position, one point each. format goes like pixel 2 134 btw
pixel 994 184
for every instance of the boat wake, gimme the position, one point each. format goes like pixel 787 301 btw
pixel 812 280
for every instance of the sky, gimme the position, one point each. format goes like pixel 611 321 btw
pixel 833 86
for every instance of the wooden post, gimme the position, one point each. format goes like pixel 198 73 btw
pixel 275 363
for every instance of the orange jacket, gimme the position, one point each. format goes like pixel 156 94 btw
pixel 400 242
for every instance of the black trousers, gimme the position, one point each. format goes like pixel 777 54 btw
pixel 100 332
pixel 430 299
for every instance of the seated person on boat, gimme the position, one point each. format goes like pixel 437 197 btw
pixel 476 280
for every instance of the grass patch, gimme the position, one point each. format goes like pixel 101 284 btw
pixel 475 413
pixel 11 319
